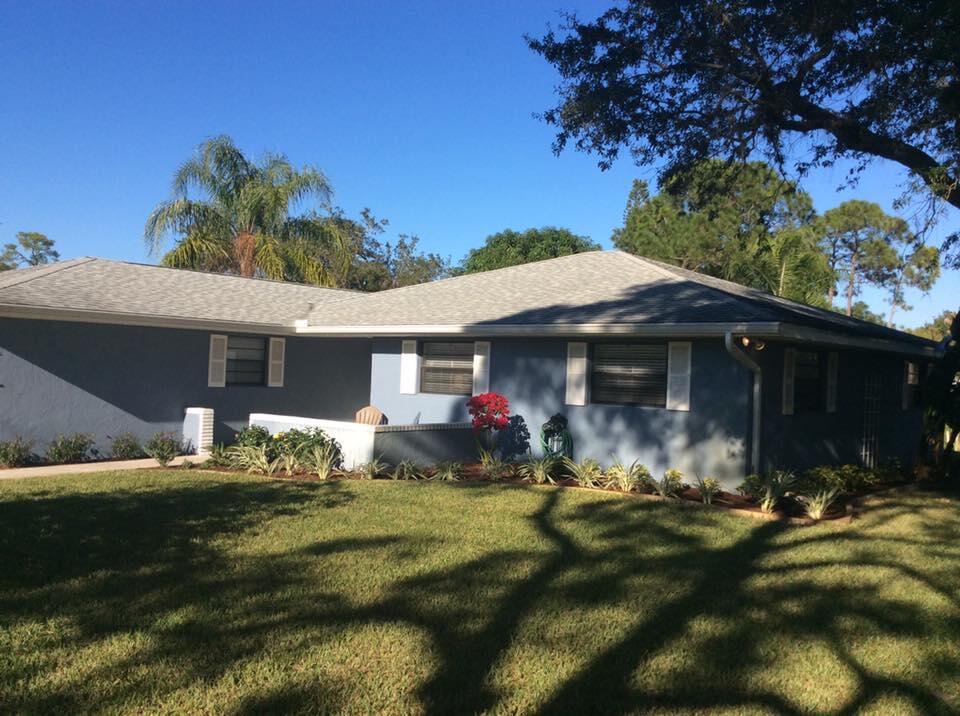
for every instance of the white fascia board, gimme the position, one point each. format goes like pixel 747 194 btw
pixel 43 313
pixel 692 330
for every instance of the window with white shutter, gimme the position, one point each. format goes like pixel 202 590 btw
pixel 630 373
pixel 409 368
pixel 678 375
pixel 447 367
pixel 278 350
pixel 576 373
pixel 481 367
pixel 217 362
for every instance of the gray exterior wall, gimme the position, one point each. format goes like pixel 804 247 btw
pixel 804 440
pixel 709 439
pixel 425 447
pixel 63 377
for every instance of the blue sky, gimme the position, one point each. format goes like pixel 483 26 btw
pixel 421 111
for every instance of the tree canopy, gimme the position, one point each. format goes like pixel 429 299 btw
pixel 509 248
pixel 240 219
pixel 743 223
pixel 31 249
pixel 683 82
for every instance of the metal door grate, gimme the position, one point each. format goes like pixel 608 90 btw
pixel 872 389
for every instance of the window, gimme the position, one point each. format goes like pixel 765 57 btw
pixel 246 360
pixel 808 382
pixel 911 385
pixel 447 368
pixel 629 374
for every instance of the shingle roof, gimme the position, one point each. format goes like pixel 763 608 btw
pixel 601 287
pixel 158 292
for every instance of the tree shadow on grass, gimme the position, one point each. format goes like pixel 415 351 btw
pixel 753 585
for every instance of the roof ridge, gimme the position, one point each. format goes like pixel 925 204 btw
pixel 47 270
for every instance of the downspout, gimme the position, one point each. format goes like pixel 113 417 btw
pixel 753 367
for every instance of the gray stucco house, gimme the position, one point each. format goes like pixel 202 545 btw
pixel 647 361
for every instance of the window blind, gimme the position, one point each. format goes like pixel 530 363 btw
pixel 447 368
pixel 629 373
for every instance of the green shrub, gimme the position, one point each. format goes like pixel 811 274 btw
pixel 372 470
pixel 219 456
pixel 287 463
pixel 163 447
pixel 627 478
pixel 407 470
pixel 67 449
pixel 752 487
pixel 816 505
pixel 586 473
pixel 255 436
pixel 16 452
pixel 491 466
pixel 449 471
pixel 849 478
pixel 709 487
pixel 251 458
pixel 126 447
pixel 539 470
pixel 322 458
pixel 776 484
pixel 297 441
pixel 670 485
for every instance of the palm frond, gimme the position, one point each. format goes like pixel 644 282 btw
pixel 269 257
pixel 183 216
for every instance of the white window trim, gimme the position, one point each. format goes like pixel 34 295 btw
pixel 409 368
pixel 578 374
pixel 481 367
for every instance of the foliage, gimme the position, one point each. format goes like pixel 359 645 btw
pixel 514 440
pixel 942 397
pixel 670 485
pixel 817 504
pixel 489 411
pixel 252 458
pixel 67 449
pixel 163 447
pixel 937 328
pixel 239 222
pixel 586 472
pixel 774 487
pixel 289 463
pixel 253 436
pixel 741 223
pixel 407 470
pixel 126 446
pixel 300 441
pixel 219 456
pixel 448 471
pixel 372 470
pixel 15 453
pixel 31 249
pixel 492 466
pixel 627 478
pixel 322 458
pixel 708 487
pixel 510 248
pixel 676 83
pixel 539 470
pixel 845 478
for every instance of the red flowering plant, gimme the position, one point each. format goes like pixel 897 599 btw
pixel 489 412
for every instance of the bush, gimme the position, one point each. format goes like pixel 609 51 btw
pixel 322 458
pixel 255 436
pixel 163 447
pixel 16 452
pixel 67 449
pixel 251 458
pixel 297 441
pixel 775 487
pixel 126 447
pixel 816 505
pixel 449 471
pixel 847 478
pixel 219 456
pixel 670 485
pixel 407 470
pixel 586 473
pixel 539 470
pixel 751 487
pixel 372 470
pixel 708 487
pixel 627 478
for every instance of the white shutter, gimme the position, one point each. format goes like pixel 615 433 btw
pixel 577 370
pixel 481 367
pixel 789 370
pixel 217 365
pixel 678 375
pixel 833 360
pixel 278 350
pixel 409 368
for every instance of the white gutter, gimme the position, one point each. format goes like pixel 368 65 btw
pixel 753 367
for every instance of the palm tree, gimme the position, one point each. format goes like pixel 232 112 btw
pixel 241 222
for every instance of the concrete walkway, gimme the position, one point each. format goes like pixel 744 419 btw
pixel 87 467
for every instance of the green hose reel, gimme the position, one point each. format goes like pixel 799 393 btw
pixel 555 439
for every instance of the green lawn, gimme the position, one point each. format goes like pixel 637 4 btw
pixel 172 591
